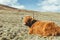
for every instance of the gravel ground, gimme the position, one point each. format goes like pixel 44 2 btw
pixel 12 28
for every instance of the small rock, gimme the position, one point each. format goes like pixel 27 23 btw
pixel 5 39
pixel 1 26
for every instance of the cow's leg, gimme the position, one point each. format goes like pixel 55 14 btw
pixel 30 31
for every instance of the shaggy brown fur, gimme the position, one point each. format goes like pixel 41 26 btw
pixel 44 28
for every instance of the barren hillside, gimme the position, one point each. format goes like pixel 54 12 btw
pixel 11 23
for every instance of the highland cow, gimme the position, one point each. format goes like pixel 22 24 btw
pixel 44 28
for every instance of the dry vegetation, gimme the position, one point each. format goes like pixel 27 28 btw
pixel 12 28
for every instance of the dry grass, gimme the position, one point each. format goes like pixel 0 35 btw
pixel 12 28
